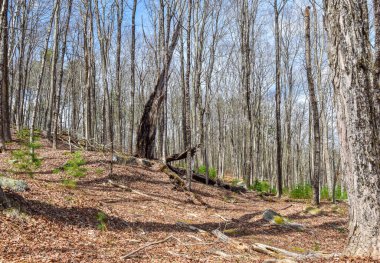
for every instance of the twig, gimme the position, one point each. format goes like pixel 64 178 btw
pixel 193 228
pixel 285 207
pixel 146 246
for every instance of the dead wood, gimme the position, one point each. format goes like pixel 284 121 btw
pixel 183 155
pixel 158 166
pixel 274 251
pixel 222 237
pixel 281 253
pixel 146 246
pixel 193 228
pixel 202 179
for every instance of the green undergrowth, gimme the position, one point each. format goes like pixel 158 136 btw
pixel 211 171
pixel 305 191
pixel 262 187
pixel 25 159
pixel 73 170
pixel 101 217
pixel 299 191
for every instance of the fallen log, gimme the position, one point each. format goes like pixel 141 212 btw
pixel 177 175
pixel 202 179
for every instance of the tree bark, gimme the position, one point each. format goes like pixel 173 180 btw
pixel 148 124
pixel 53 70
pixel 119 119
pixel 358 113
pixel 133 79
pixel 4 80
pixel 314 109
pixel 278 101
pixel 57 103
pixel 187 97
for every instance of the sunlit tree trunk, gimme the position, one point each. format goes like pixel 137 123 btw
pixel 358 100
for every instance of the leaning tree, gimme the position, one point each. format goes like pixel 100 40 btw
pixel 357 94
pixel 148 124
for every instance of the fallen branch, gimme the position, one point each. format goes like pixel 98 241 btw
pixel 193 228
pixel 221 236
pixel 286 207
pixel 183 155
pixel 274 251
pixel 145 246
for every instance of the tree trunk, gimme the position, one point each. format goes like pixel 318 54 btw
pixel 119 126
pixel 133 81
pixel 314 109
pixel 4 81
pixel 53 70
pixel 57 103
pixel 148 124
pixel 278 102
pixel 187 97
pixel 358 101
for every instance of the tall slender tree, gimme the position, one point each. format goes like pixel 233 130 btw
pixel 5 132
pixel 314 109
pixel 277 10
pixel 133 77
pixel 189 171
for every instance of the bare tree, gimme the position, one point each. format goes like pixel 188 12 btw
pixel 53 70
pixel 189 171
pixel 57 104
pixel 133 78
pixel 5 133
pixel 314 109
pixel 148 124
pixel 277 11
pixel 119 119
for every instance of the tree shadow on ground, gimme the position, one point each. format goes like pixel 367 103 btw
pixel 86 217
pixel 81 217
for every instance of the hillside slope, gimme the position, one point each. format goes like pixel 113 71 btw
pixel 59 224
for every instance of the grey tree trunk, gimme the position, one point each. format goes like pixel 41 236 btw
pixel 358 113
pixel 119 119
pixel 189 171
pixel 133 81
pixel 278 101
pixel 57 103
pixel 53 70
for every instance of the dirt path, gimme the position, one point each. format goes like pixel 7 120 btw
pixel 60 224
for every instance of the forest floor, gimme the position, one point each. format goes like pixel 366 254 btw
pixel 59 224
